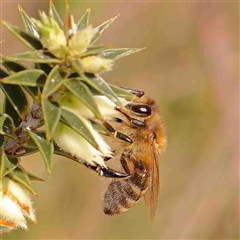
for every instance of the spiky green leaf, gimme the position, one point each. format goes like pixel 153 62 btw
pixel 79 125
pixel 2 100
pixel 53 82
pixel 56 16
pixel 34 177
pixel 12 66
pixel 93 50
pixel 97 32
pixel 82 92
pixel 101 86
pixel 77 66
pixel 45 147
pixel 39 56
pixel 16 96
pixel 30 77
pixel 7 126
pixel 84 20
pixel 31 146
pixel 99 128
pixel 11 111
pixel 28 151
pixel 7 164
pixel 26 38
pixel 20 175
pixel 28 23
pixel 33 92
pixel 117 53
pixel 120 92
pixel 3 73
pixel 51 115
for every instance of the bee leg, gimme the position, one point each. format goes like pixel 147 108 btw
pixel 119 120
pixel 136 92
pixel 134 121
pixel 124 164
pixel 117 134
pixel 106 172
pixel 107 159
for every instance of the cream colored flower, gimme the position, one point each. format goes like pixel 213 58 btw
pixel 107 108
pixel 15 206
pixel 95 64
pixel 80 41
pixel 51 35
pixel 73 143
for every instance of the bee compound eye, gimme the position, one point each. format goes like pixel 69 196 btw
pixel 142 109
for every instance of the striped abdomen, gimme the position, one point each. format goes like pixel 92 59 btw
pixel 124 194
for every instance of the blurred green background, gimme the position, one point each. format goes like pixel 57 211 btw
pixel 191 68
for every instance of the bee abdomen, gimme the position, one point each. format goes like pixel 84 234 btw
pixel 124 194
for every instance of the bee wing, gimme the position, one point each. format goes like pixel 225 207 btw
pixel 147 197
pixel 155 186
pixel 151 197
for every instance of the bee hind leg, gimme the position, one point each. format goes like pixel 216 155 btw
pixel 106 172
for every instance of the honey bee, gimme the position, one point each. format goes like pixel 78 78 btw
pixel 138 157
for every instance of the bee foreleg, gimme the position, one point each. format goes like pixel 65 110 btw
pixel 117 134
pixel 107 159
pixel 136 92
pixel 134 121
pixel 106 172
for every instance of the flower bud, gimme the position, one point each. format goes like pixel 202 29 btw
pixel 73 143
pixel 80 41
pixel 95 64
pixel 51 35
pixel 106 107
pixel 15 205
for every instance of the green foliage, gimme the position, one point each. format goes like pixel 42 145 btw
pixel 32 96
pixel 20 176
pixel 8 164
